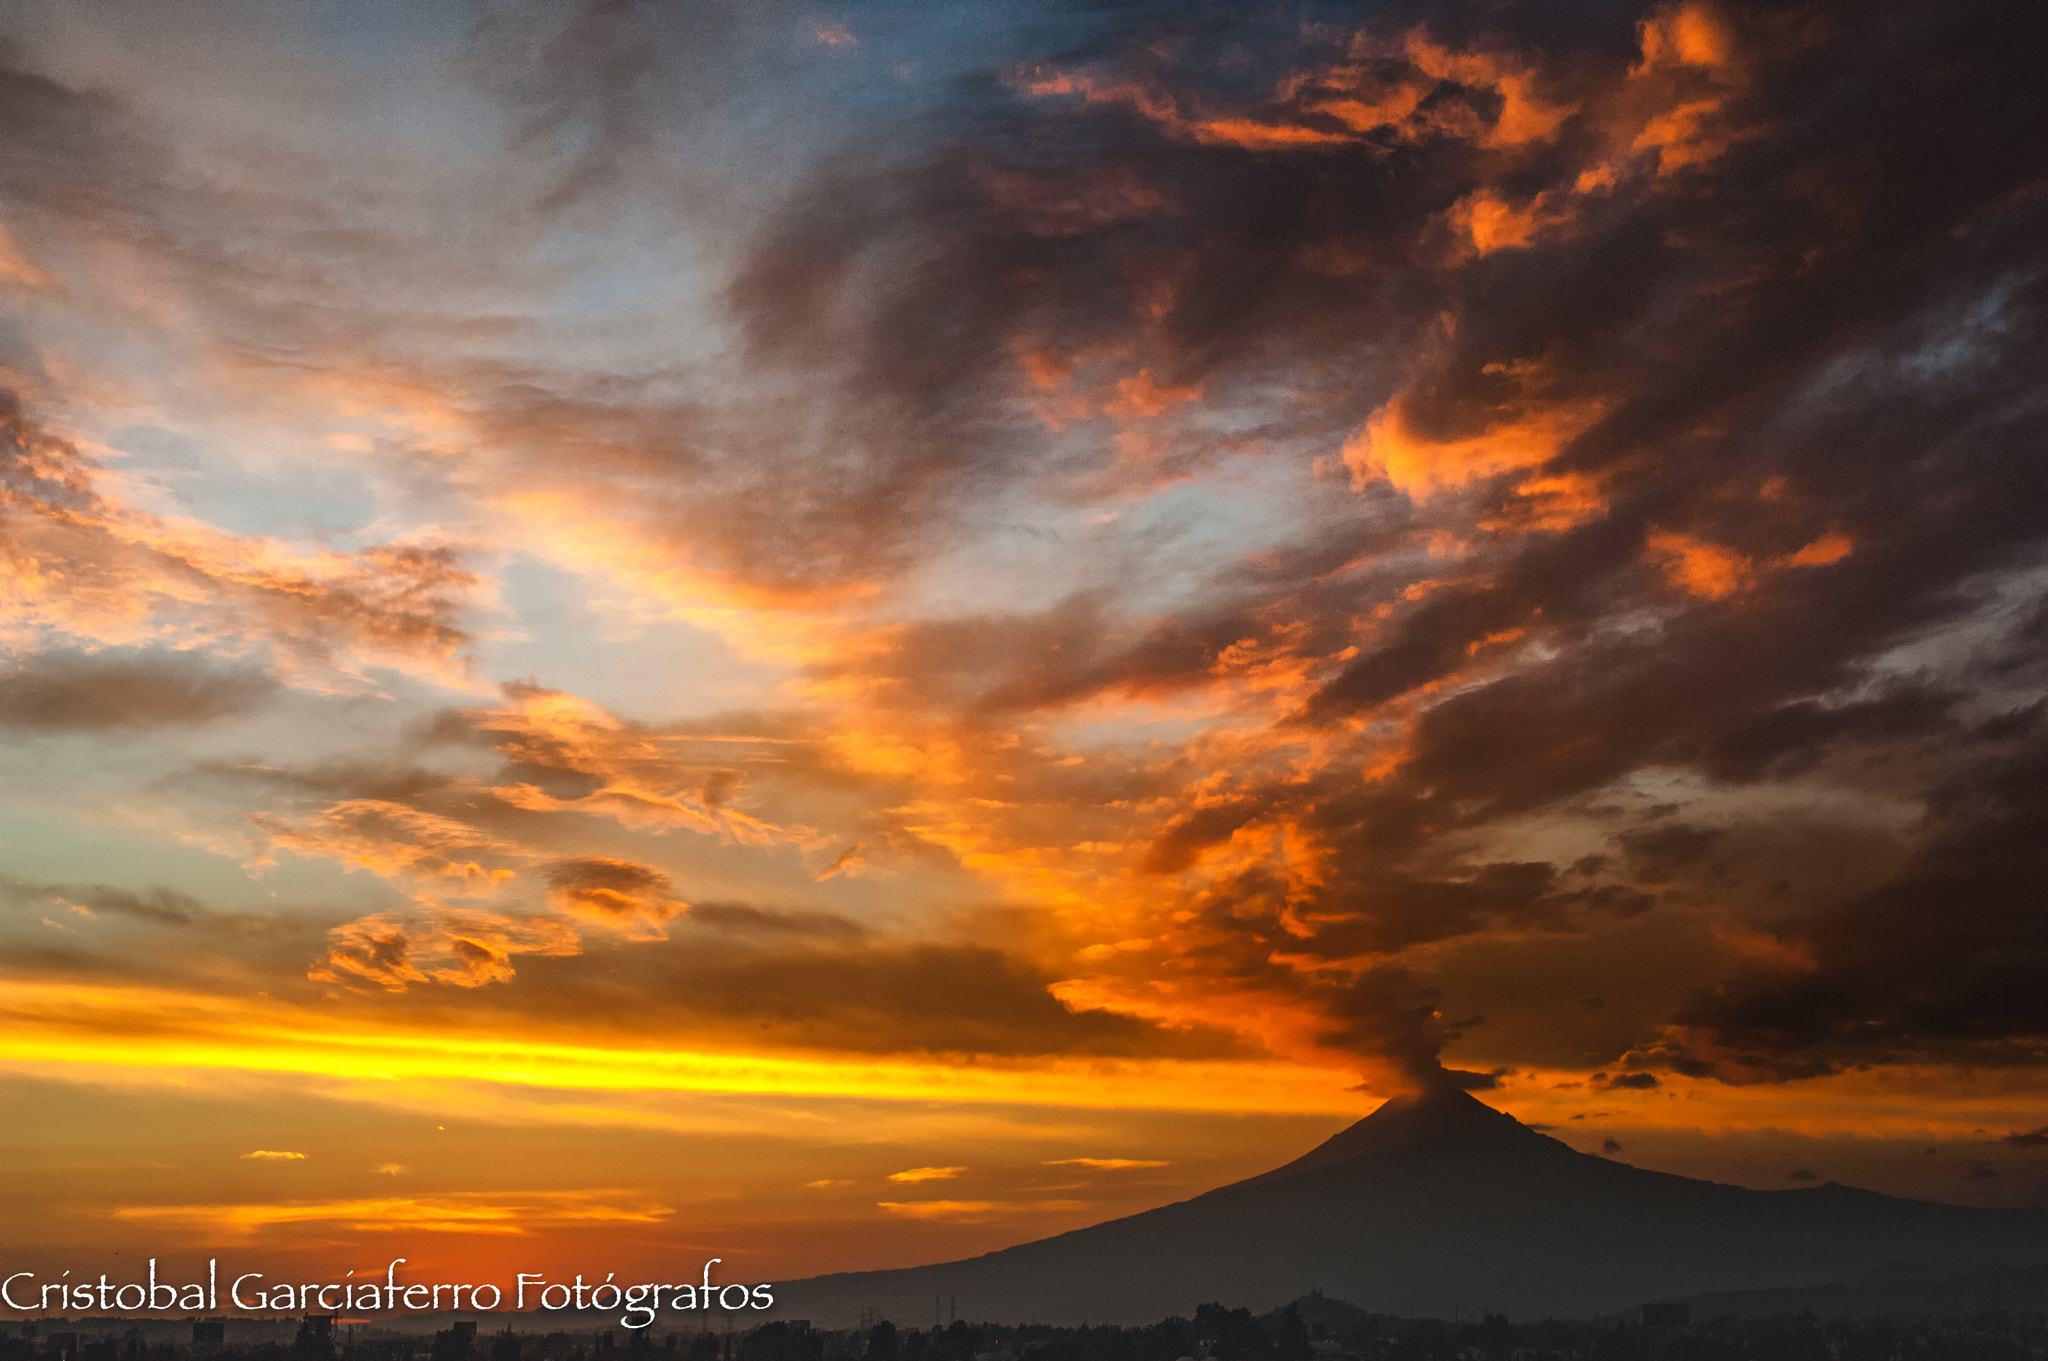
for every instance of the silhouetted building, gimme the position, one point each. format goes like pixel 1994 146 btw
pixel 315 1341
pixel 459 1343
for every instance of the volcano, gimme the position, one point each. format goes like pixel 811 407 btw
pixel 1434 1205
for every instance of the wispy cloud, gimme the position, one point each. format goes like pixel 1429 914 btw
pixel 1106 1164
pixel 517 1215
pixel 975 1211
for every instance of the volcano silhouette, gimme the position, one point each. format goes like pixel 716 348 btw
pixel 1436 1204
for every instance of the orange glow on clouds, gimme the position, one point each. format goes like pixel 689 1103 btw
pixel 972 1211
pixel 519 1216
pixel 1706 570
pixel 1421 466
pixel 1714 572
pixel 82 1028
pixel 1685 35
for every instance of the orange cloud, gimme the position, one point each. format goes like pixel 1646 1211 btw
pixel 79 564
pixel 1764 948
pixel 1388 447
pixel 15 267
pixel 1713 571
pixel 974 1211
pixel 1107 1164
pixel 927 1174
pixel 1047 367
pixel 967 1211
pixel 1354 93
pixel 1143 395
pixel 445 850
pixel 620 893
pixel 849 862
pixel 399 842
pixel 1684 136
pixel 1707 570
pixel 435 858
pixel 1256 136
pixel 465 947
pixel 1551 504
pixel 1691 70
pixel 1830 547
pixel 1684 35
pixel 1369 107
pixel 1524 115
pixel 515 1215
pixel 1491 223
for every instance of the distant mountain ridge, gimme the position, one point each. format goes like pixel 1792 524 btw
pixel 1902 1289
pixel 1434 1204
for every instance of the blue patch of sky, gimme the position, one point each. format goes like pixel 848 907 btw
pixel 306 500
pixel 651 669
pixel 382 32
pixel 1159 553
pixel 1130 732
pixel 49 846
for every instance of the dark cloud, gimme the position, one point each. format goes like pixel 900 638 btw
pixel 73 692
pixel 1938 962
pixel 744 919
pixel 1625 1081
pixel 96 934
pixel 158 905
pixel 68 152
pixel 165 906
pixel 1474 1082
pixel 1657 854
pixel 1805 459
pixel 1389 1013
pixel 395 780
pixel 865 998
pixel 620 893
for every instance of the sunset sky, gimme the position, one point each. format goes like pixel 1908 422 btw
pixel 840 635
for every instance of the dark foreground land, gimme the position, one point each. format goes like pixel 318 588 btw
pixel 1312 1328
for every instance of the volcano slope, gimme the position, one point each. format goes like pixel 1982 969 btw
pixel 1434 1204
